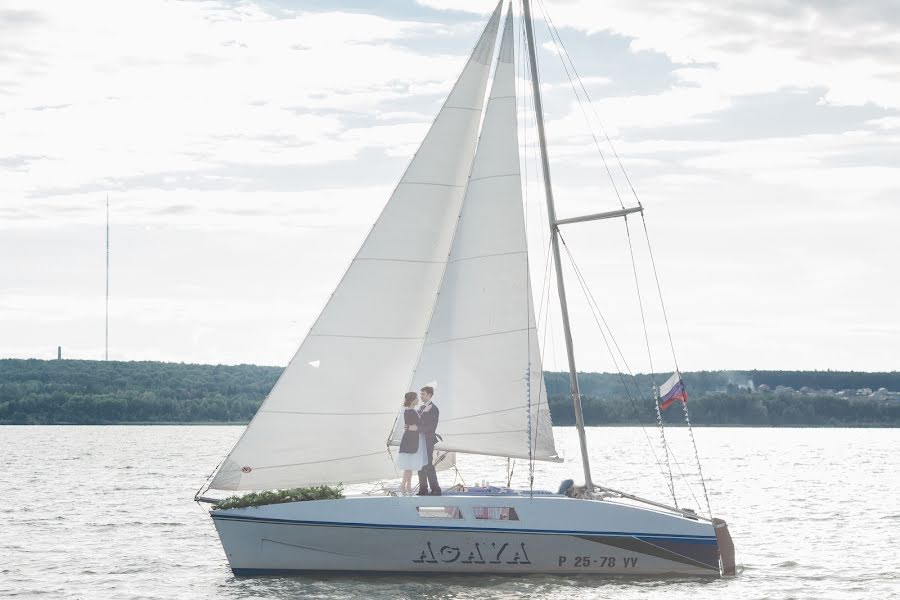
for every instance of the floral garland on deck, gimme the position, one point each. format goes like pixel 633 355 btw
pixel 301 494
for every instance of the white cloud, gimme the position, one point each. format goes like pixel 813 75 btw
pixel 775 248
pixel 885 123
pixel 752 47
pixel 224 84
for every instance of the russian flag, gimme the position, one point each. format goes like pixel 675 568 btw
pixel 672 390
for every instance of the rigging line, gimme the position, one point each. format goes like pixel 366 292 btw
pixel 615 343
pixel 472 337
pixel 559 52
pixel 637 413
pixel 484 414
pixel 462 201
pixel 542 387
pixel 510 468
pixel 617 347
pixel 637 199
pixel 525 121
pixel 550 24
pixel 585 288
pixel 659 422
pixel 687 420
pixel 545 282
pixel 400 260
pixel 594 110
pixel 675 359
pixel 544 301
pixel 659 291
pixel 495 254
pixel 316 462
pixel 529 303
pixel 468 433
pixel 448 185
pixel 583 285
pixel 541 208
pixel 484 177
pixel 206 483
pixel 545 286
pixel 529 308
pixel 545 291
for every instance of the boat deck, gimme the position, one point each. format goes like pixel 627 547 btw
pixel 480 491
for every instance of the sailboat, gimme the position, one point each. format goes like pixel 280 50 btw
pixel 440 292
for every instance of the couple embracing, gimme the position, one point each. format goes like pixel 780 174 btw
pixel 417 445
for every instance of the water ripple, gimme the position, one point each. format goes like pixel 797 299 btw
pixel 106 512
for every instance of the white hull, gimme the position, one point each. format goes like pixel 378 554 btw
pixel 552 534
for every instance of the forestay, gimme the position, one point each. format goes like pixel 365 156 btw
pixel 326 419
pixel 482 337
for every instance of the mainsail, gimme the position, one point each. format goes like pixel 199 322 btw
pixel 482 343
pixel 325 420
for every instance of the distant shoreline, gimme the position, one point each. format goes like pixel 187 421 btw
pixel 81 392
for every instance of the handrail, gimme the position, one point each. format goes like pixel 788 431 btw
pixel 682 511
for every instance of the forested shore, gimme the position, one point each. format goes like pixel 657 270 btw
pixel 99 392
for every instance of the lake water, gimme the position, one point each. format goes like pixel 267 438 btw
pixel 107 512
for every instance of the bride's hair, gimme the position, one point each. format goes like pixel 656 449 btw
pixel 409 399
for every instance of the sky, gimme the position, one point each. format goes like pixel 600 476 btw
pixel 247 147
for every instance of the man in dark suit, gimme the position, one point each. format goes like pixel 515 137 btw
pixel 428 422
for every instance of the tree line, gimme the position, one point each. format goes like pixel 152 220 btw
pixel 99 392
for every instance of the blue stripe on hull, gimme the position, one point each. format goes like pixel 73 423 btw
pixel 688 539
pixel 431 574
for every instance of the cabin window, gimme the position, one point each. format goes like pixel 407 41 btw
pixel 439 512
pixel 496 513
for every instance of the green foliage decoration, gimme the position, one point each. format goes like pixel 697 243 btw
pixel 300 494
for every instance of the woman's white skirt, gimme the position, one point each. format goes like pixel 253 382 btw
pixel 415 460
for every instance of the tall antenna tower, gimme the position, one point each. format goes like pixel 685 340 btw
pixel 107 278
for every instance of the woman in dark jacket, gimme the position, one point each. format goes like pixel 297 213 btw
pixel 412 455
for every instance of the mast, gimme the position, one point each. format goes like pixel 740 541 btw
pixel 554 241
pixel 107 280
